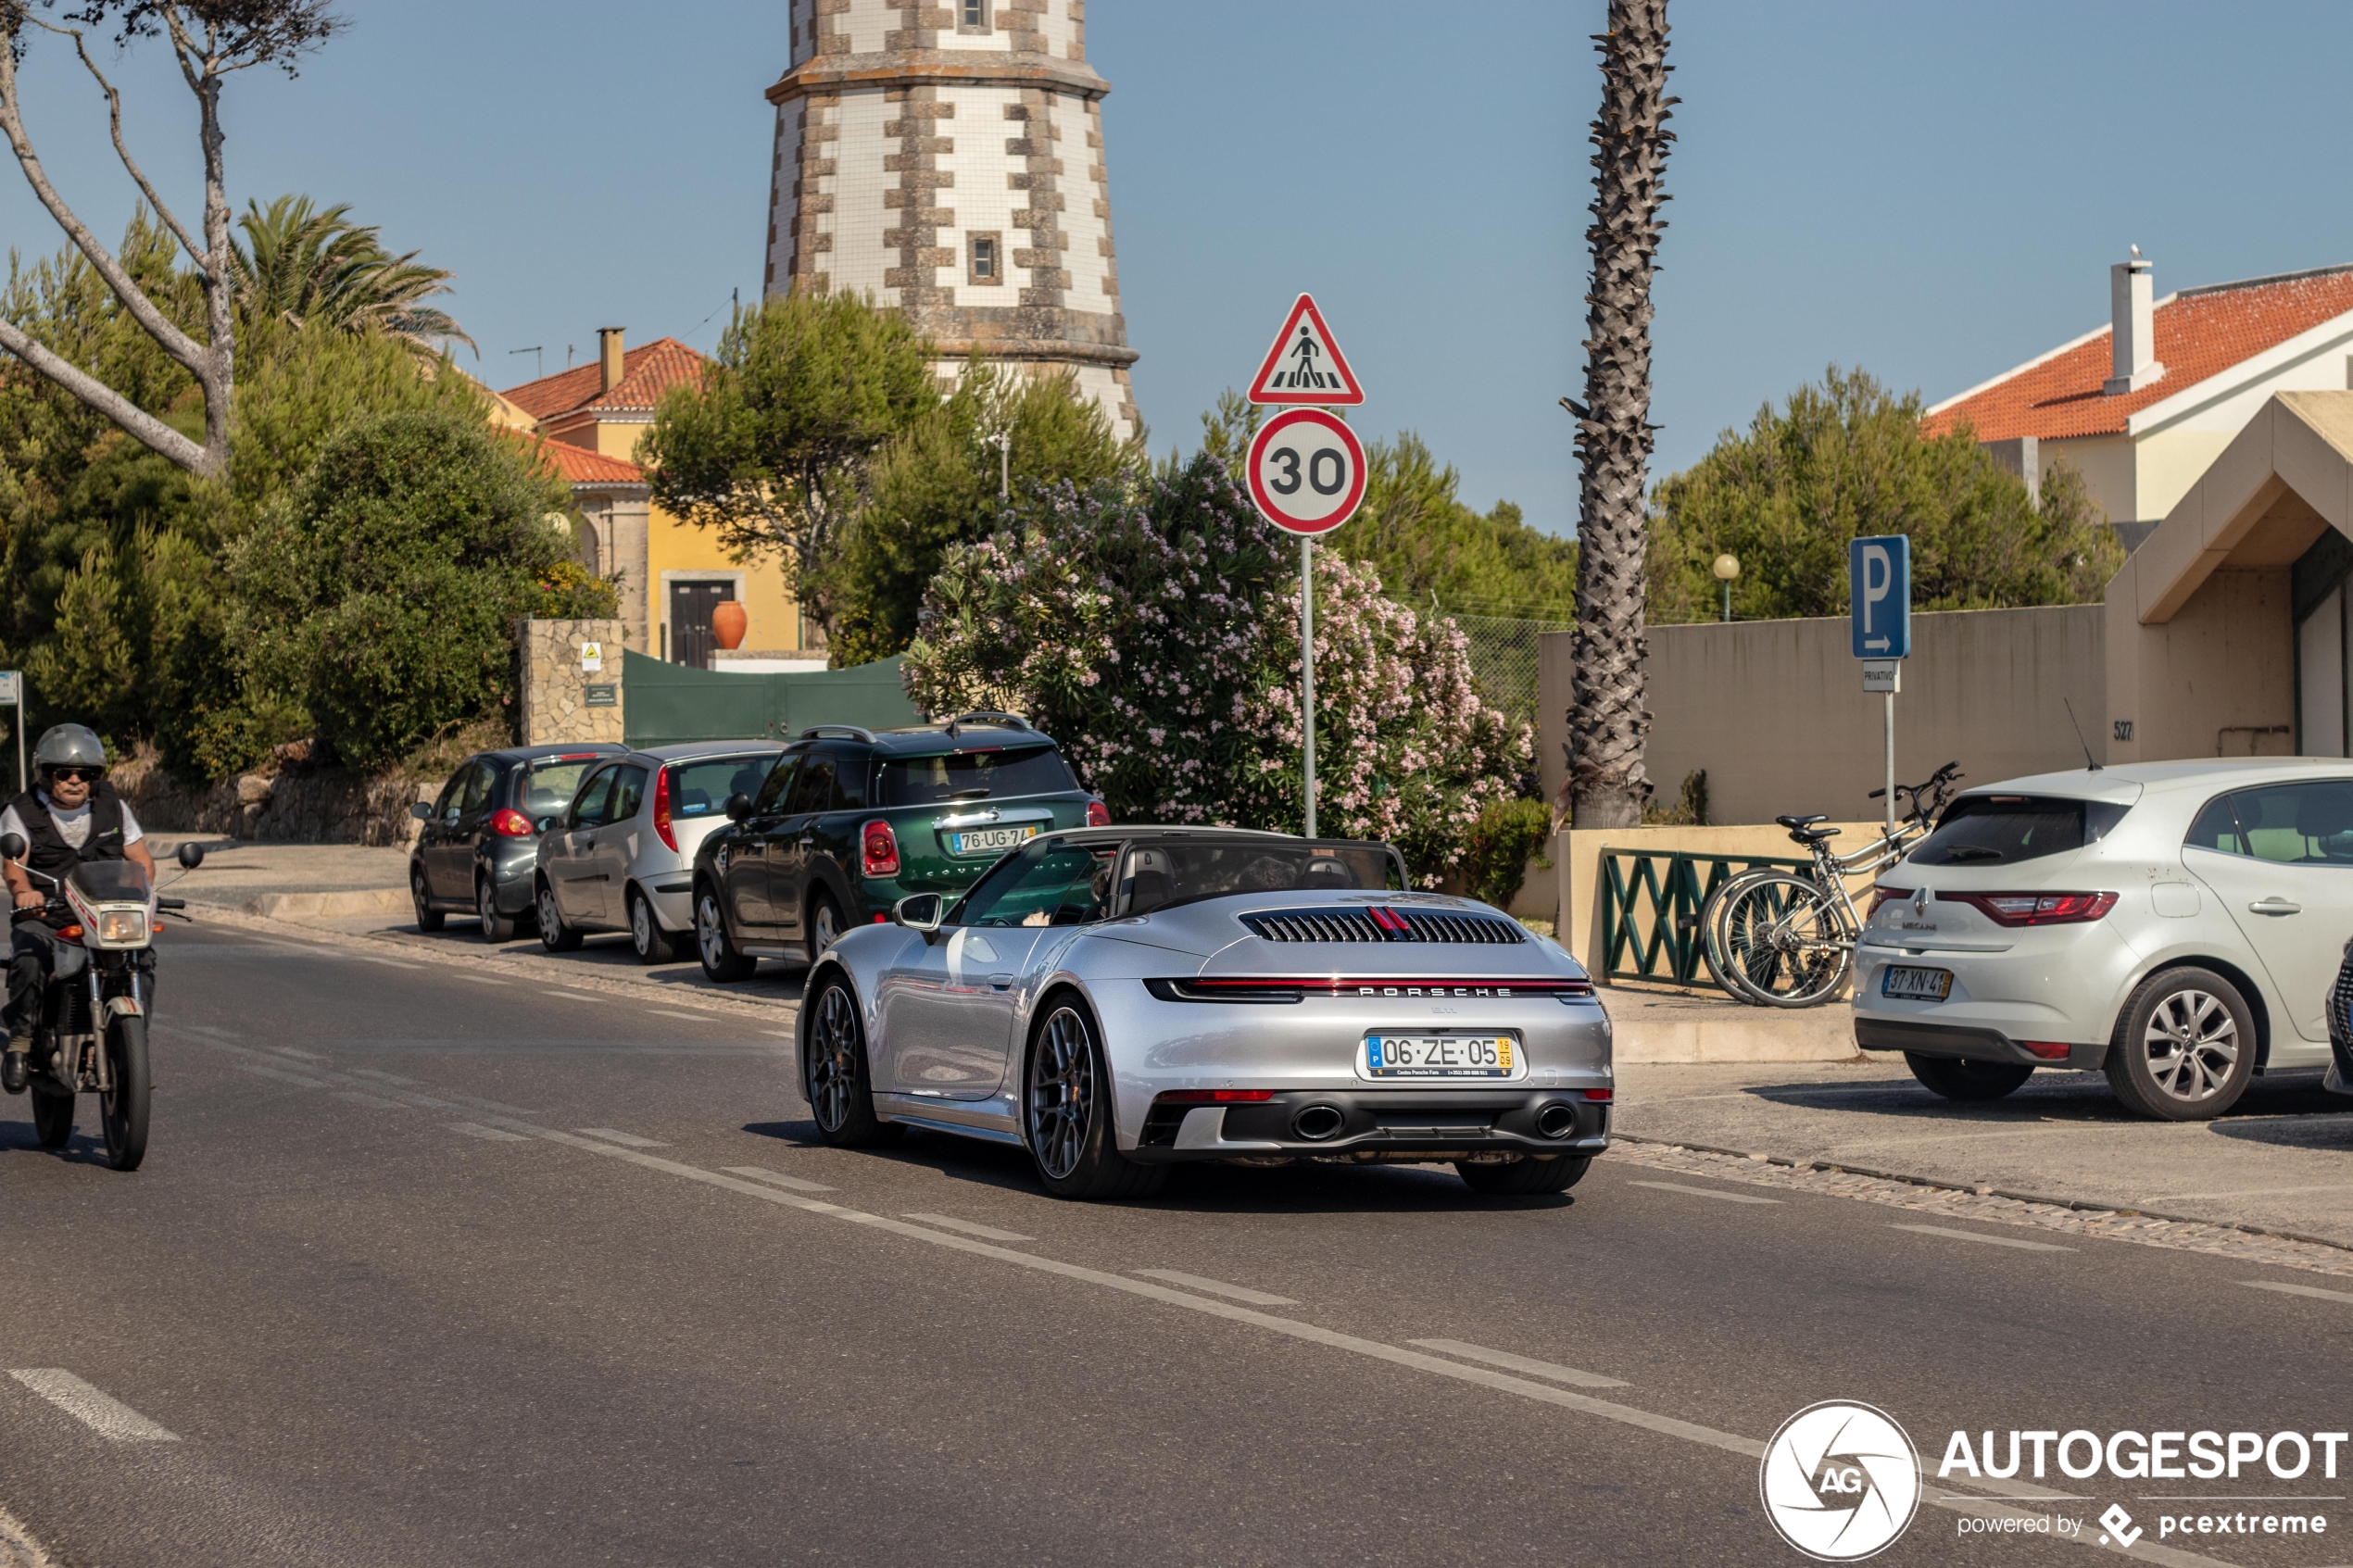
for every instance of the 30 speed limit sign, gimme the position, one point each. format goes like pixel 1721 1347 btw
pixel 1306 472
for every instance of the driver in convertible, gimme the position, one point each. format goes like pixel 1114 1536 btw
pixel 74 816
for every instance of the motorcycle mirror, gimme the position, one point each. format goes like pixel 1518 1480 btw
pixel 12 846
pixel 191 856
pixel 739 806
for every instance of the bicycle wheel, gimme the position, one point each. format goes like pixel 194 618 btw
pixel 1787 942
pixel 1714 949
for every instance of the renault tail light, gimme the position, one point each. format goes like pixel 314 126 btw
pixel 878 849
pixel 2035 909
pixel 662 809
pixel 1887 896
pixel 507 822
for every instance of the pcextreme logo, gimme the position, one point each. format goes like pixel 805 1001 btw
pixel 1840 1481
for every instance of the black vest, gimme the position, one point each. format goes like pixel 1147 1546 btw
pixel 46 850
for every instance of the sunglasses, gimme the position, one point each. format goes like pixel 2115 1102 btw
pixel 87 775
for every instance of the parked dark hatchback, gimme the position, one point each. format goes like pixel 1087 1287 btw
pixel 850 820
pixel 481 838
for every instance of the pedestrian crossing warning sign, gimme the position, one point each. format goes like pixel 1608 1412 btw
pixel 1306 365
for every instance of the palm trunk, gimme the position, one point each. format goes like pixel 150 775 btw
pixel 1607 723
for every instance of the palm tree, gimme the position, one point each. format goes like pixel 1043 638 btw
pixel 310 267
pixel 1608 724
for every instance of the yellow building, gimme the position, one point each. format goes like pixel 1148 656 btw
pixel 672 574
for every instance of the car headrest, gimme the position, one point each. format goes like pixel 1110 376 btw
pixel 1330 872
pixel 2324 811
pixel 1147 890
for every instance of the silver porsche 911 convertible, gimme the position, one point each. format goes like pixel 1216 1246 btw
pixel 1116 1000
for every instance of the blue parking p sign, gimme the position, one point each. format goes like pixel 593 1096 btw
pixel 1879 580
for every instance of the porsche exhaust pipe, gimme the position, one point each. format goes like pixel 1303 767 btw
pixel 1557 1120
pixel 1317 1122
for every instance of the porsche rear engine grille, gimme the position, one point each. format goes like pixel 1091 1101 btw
pixel 1379 922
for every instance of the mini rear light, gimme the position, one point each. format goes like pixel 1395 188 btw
pixel 507 822
pixel 1213 1097
pixel 662 809
pixel 1599 1094
pixel 1097 814
pixel 878 849
pixel 1887 896
pixel 2049 1050
pixel 2035 909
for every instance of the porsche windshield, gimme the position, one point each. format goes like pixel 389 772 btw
pixel 1182 870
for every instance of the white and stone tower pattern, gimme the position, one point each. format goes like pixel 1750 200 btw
pixel 947 160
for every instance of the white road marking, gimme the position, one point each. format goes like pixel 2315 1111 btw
pixel 388 963
pixel 261 1071
pixel 356 1098
pixel 1218 1288
pixel 476 1130
pixel 781 1033
pixel 2312 1290
pixel 1748 1447
pixel 987 1233
pixel 1988 1240
pixel 103 1413
pixel 759 1173
pixel 2249 1192
pixel 386 1077
pixel 306 1056
pixel 695 1017
pixel 626 1140
pixel 209 1029
pixel 1519 1364
pixel 1702 1192
pixel 477 979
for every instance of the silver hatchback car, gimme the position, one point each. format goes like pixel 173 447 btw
pixel 620 857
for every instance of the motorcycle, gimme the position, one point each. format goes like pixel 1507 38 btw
pixel 92 1031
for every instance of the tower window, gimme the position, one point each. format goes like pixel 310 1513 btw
pixel 986 264
pixel 972 16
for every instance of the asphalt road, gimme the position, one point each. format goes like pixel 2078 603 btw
pixel 431 1267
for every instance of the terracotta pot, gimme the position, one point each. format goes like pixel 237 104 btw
pixel 729 621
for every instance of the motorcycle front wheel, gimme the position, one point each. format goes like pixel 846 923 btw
pixel 122 1110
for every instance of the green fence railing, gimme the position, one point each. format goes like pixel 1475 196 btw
pixel 664 703
pixel 1650 904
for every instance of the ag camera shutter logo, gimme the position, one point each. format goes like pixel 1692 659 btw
pixel 1840 1481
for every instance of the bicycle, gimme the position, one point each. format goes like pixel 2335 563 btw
pixel 1780 938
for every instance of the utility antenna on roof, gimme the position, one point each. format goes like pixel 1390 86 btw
pixel 539 364
pixel 2089 766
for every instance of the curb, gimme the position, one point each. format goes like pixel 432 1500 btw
pixel 328 906
pixel 1984 1189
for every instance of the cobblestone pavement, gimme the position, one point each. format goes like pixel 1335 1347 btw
pixel 1994 1208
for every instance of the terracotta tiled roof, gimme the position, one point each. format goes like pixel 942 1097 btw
pixel 2200 332
pixel 646 372
pixel 577 465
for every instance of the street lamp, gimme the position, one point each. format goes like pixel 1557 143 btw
pixel 1727 568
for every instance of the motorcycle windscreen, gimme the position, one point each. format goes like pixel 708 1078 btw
pixel 109 882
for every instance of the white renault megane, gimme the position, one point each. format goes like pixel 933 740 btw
pixel 2178 925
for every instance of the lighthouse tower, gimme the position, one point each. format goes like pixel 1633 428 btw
pixel 946 157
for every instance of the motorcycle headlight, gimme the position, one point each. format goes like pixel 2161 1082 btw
pixel 124 927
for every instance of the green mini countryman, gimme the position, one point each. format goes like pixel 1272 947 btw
pixel 850 820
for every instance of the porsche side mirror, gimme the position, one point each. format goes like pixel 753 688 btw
pixel 919 911
pixel 12 846
pixel 420 810
pixel 191 857
pixel 739 806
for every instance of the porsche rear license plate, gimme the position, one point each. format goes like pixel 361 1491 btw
pixel 1915 984
pixel 988 841
pixel 1439 1056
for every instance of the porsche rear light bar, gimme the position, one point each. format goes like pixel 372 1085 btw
pixel 1293 988
pixel 2035 909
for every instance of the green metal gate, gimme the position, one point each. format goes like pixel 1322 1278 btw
pixel 1650 904
pixel 664 703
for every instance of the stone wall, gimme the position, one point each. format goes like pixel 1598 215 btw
pixel 329 806
pixel 560 695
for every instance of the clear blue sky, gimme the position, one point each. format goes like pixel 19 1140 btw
pixel 1932 192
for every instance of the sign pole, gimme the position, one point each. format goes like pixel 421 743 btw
pixel 1891 764
pixel 1306 671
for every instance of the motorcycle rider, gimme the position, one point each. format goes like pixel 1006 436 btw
pixel 71 816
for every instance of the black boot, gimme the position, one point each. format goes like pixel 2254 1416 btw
pixel 15 1063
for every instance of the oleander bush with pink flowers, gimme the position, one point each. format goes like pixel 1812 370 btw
pixel 1151 626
